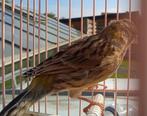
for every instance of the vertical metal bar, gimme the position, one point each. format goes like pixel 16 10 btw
pixel 58 40
pixel 142 56
pixel 39 13
pixel 105 26
pixel 80 101
pixel 20 43
pixel 39 19
pixel 115 97
pixel 69 44
pixel 93 31
pixel 57 104
pixel 3 52
pixel 81 19
pixel 58 28
pixel 106 13
pixel 34 23
pixel 130 6
pixel 69 22
pixel 46 29
pixel 12 49
pixel 129 65
pixel 128 81
pixel 28 18
pixel 46 41
pixel 94 17
pixel 115 94
pixel 117 16
pixel 68 104
pixel 34 34
pixel 80 107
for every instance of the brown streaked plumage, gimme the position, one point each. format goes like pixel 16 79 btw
pixel 81 65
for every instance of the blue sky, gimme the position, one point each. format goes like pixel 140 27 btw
pixel 87 6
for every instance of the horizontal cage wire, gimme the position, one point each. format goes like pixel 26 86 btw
pixel 35 30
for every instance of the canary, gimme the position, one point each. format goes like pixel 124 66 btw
pixel 83 64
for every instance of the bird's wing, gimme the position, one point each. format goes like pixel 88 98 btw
pixel 82 55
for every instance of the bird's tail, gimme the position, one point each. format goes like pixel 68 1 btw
pixel 19 105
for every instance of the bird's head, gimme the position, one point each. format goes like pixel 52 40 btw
pixel 126 29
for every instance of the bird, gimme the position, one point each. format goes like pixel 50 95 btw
pixel 84 63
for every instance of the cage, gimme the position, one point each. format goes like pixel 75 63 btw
pixel 33 30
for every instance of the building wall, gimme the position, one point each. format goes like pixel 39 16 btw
pixel 77 24
pixel 99 21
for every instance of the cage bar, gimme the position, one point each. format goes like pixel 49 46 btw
pixel 80 101
pixel 28 38
pixel 3 54
pixel 46 28
pixel 34 34
pixel 46 41
pixel 58 48
pixel 12 49
pixel 20 42
pixel 39 21
pixel 70 5
pixel 28 20
pixel 68 104
pixel 129 66
pixel 93 17
pixel 81 19
pixel 70 22
pixel 142 56
pixel 115 95
pixel 117 16
pixel 105 24
pixel 58 28
pixel 34 23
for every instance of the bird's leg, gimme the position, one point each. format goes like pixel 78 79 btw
pixel 77 93
pixel 91 103
pixel 87 100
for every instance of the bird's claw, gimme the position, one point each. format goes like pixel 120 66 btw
pixel 91 103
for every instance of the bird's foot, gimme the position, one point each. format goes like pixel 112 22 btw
pixel 92 103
